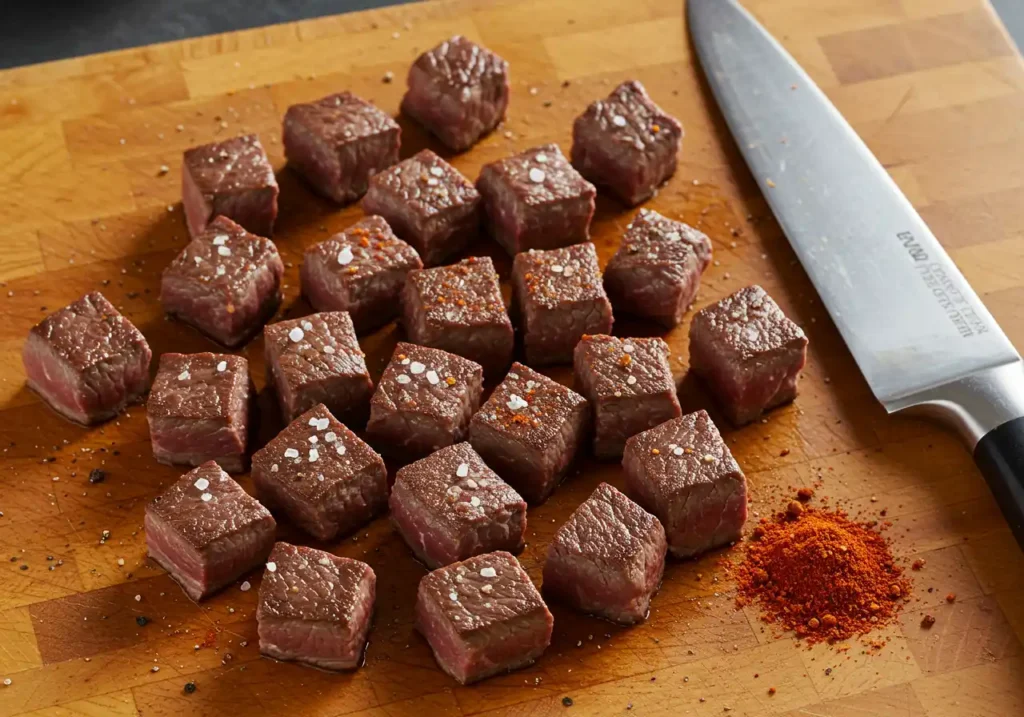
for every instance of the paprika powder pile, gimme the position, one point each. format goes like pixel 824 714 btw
pixel 822 575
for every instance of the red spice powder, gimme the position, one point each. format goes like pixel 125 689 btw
pixel 822 575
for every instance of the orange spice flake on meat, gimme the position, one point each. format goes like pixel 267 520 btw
pixel 450 380
pixel 626 360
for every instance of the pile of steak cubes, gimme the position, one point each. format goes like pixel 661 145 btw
pixel 476 435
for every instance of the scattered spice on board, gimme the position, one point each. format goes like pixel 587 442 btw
pixel 822 575
pixel 927 621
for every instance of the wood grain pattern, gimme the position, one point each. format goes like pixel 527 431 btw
pixel 933 86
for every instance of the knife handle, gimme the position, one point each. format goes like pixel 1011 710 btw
pixel 1000 456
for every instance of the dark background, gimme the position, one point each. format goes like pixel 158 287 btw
pixel 40 30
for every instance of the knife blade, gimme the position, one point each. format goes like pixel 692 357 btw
pixel 916 329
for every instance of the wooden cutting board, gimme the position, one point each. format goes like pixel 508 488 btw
pixel 935 88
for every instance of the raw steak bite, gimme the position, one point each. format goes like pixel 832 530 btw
pixel 362 271
pixel 530 430
pixel 608 558
pixel 424 401
pixel 683 472
pixel 321 475
pixel 199 410
pixel 626 143
pixel 459 308
pixel 338 142
pixel 226 283
pixel 87 361
pixel 629 385
pixel 656 271
pixel 428 203
pixel 232 179
pixel 458 91
pixel 559 298
pixel 450 506
pixel 205 531
pixel 315 607
pixel 748 352
pixel 317 359
pixel 482 617
pixel 536 200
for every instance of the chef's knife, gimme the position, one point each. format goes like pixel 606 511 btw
pixel 918 332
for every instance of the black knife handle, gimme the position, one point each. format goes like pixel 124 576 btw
pixel 1000 456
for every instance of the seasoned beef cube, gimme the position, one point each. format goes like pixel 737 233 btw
pixel 656 271
pixel 683 472
pixel 423 401
pixel 428 203
pixel 536 200
pixel 450 506
pixel 748 352
pixel 530 430
pixel 226 283
pixel 205 531
pixel 87 361
pixel 321 475
pixel 608 558
pixel 199 410
pixel 626 143
pixel 317 359
pixel 338 142
pixel 362 271
pixel 482 617
pixel 629 385
pixel 232 179
pixel 458 91
pixel 315 607
pixel 560 298
pixel 459 308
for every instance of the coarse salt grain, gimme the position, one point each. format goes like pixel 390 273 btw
pixel 330 437
pixel 222 367
pixel 201 484
pixel 314 455
pixel 402 378
pixel 291 453
pixel 463 470
pixel 628 348
pixel 557 268
pixel 487 588
pixel 437 171
pixel 516 402
pixel 431 182
pixel 677 451
pixel 536 175
pixel 274 468
pixel 328 349
pixel 220 239
pixel 221 271
pixel 471 484
pixel 324 560
pixel 488 573
pixel 345 256
pixel 340 449
pixel 405 361
pixel 619 121
pixel 224 251
pixel 206 497
pixel 416 368
pixel 184 375
pixel 272 567
pixel 245 587
pixel 313 439
pixel 541 158
pixel 322 424
pixel 708 458
pixel 296 334
pixel 474 501
pixel 307 325
pixel 454 596
pixel 631 380
pixel 313 421
pixel 433 378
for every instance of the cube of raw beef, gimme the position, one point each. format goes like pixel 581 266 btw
pixel 450 506
pixel 87 361
pixel 321 475
pixel 205 531
pixel 482 617
pixel 317 359
pixel 656 272
pixel 428 203
pixel 226 283
pixel 626 143
pixel 629 385
pixel 683 472
pixel 748 352
pixel 199 410
pixel 338 142
pixel 362 271
pixel 536 200
pixel 315 607
pixel 529 431
pixel 424 401
pixel 608 558
pixel 559 297
pixel 459 91
pixel 231 179
pixel 459 308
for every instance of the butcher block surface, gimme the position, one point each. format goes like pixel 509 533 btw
pixel 90 153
